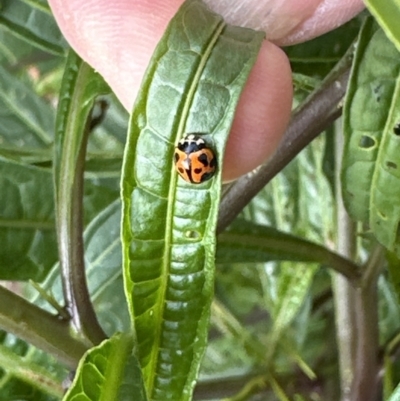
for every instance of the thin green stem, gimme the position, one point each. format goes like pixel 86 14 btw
pixel 344 293
pixel 39 328
pixel 50 300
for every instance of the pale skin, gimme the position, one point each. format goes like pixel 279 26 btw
pixel 118 37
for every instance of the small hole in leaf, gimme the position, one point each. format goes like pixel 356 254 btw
pixel 391 165
pixel 396 129
pixel 192 234
pixel 367 142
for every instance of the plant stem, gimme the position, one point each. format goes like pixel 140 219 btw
pixel 344 293
pixel 356 309
pixel 74 122
pixel 365 383
pixel 72 248
pixel 318 111
pixel 39 328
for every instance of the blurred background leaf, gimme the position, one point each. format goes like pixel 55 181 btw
pixel 32 21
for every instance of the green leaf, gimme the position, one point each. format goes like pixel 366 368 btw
pixel 296 205
pixel 245 242
pixel 294 284
pixel 371 162
pixel 192 85
pixel 27 227
pixel 12 48
pixel 29 372
pixel 103 263
pixel 80 87
pixel 363 130
pixel 39 4
pixel 109 371
pixel 33 24
pixel 27 231
pixel 15 389
pixel 104 269
pixel 25 118
pixel 387 13
pixel 299 198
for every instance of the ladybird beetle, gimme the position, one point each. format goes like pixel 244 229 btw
pixel 194 161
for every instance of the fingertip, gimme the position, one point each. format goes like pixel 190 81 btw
pixel 116 38
pixel 262 114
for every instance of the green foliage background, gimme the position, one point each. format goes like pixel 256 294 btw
pixel 272 333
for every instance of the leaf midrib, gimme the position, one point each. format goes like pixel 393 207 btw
pixel 121 347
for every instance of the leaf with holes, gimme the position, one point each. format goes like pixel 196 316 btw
pixel 371 162
pixel 192 84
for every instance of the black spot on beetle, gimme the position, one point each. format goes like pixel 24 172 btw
pixel 203 159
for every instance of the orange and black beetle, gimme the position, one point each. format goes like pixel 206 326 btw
pixel 194 161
